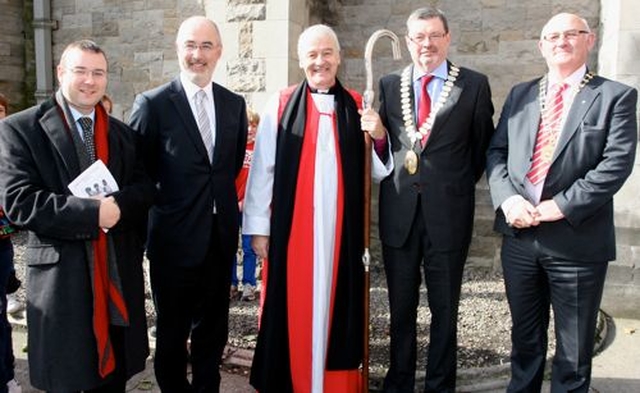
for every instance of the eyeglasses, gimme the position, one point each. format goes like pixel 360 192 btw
pixel 570 35
pixel 421 39
pixel 80 72
pixel 204 47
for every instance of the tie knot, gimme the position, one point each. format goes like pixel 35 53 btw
pixel 425 81
pixel 86 123
pixel 201 96
pixel 558 88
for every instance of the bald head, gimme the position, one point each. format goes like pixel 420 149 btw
pixel 565 43
pixel 196 23
pixel 560 21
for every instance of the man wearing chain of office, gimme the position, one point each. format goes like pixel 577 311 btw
pixel 439 121
pixel 564 145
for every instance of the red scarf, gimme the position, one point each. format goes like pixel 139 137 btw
pixel 104 290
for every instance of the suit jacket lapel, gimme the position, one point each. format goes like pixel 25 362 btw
pixel 531 120
pixel 581 104
pixel 56 128
pixel 179 98
pixel 446 110
pixel 219 114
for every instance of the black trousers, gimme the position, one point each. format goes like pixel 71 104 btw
pixel 535 282
pixel 443 278
pixel 192 302
pixel 117 381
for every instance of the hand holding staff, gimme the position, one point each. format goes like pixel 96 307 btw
pixel 367 102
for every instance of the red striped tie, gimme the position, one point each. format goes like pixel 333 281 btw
pixel 547 136
pixel 425 105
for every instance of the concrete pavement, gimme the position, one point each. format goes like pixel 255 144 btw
pixel 616 369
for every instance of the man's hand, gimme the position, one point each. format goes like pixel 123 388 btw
pixel 109 212
pixel 370 122
pixel 522 215
pixel 260 245
pixel 548 211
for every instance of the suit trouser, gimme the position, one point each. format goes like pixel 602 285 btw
pixel 192 301
pixel 535 282
pixel 443 277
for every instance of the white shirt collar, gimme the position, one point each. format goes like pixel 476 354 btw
pixel 440 72
pixel 572 80
pixel 191 88
pixel 77 114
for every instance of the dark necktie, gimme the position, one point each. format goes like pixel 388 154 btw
pixel 425 104
pixel 87 136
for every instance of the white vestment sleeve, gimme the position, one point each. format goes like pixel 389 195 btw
pixel 380 170
pixel 257 202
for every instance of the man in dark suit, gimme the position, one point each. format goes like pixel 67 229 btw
pixel 438 143
pixel 193 140
pixel 87 322
pixel 564 145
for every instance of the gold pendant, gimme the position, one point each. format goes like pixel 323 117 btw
pixel 411 162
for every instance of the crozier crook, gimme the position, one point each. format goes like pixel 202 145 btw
pixel 367 102
pixel 367 98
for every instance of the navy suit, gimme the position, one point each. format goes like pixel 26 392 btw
pixel 190 248
pixel 562 263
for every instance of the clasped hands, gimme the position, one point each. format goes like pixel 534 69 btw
pixel 370 122
pixel 524 215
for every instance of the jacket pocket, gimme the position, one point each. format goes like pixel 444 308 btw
pixel 42 255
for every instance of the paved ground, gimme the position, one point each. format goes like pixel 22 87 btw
pixel 615 370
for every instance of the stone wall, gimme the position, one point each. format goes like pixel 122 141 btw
pixel 12 53
pixel 496 37
pixel 138 37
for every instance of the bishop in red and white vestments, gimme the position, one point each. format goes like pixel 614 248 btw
pixel 305 191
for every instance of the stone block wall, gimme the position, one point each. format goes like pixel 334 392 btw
pixel 138 37
pixel 12 53
pixel 496 37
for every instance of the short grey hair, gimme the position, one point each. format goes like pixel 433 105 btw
pixel 314 32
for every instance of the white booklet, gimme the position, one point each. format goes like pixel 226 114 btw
pixel 95 181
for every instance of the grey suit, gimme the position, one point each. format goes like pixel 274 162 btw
pixel 426 220
pixel 593 158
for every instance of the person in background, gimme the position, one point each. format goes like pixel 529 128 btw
pixel 249 257
pixel 107 103
pixel 14 305
pixel 4 106
pixel 439 120
pixel 303 207
pixel 9 284
pixel 564 145
pixel 193 135
pixel 85 310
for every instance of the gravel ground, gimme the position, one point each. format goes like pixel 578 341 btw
pixel 483 325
